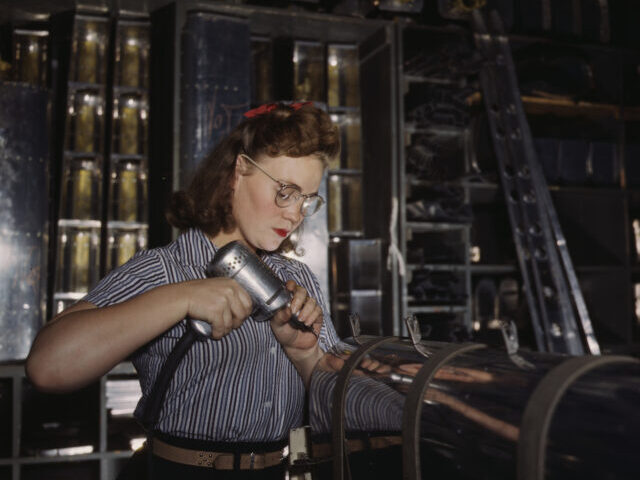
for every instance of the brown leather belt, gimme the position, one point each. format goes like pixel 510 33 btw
pixel 320 450
pixel 215 460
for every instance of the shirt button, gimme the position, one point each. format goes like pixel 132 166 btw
pixel 272 350
pixel 267 404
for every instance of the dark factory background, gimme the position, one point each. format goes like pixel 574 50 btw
pixel 105 108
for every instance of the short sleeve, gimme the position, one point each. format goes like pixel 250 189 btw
pixel 328 336
pixel 143 272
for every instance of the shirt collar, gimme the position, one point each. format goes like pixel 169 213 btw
pixel 195 247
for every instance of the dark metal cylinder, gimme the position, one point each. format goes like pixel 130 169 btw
pixel 480 413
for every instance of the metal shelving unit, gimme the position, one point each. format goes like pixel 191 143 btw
pixel 408 183
pixel 80 52
pixel 497 262
pixel 127 170
pixel 99 459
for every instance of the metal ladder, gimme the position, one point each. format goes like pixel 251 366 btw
pixel 551 286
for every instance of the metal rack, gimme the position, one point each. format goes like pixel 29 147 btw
pixel 90 460
pixel 597 269
pixel 126 197
pixel 101 79
pixel 80 49
pixel 408 228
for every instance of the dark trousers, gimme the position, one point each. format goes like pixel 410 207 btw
pixel 162 469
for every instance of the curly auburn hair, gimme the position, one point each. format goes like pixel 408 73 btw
pixel 206 202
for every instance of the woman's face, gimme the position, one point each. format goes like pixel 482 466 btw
pixel 259 221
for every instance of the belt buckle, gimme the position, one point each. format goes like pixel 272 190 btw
pixel 207 459
pixel 252 458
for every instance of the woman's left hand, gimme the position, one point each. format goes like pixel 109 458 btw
pixel 308 312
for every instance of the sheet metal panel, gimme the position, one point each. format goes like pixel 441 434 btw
pixel 24 211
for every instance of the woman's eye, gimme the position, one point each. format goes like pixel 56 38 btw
pixel 285 195
pixel 289 193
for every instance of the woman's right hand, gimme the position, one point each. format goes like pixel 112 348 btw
pixel 221 302
pixel 84 342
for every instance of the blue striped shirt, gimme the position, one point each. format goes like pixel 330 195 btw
pixel 370 404
pixel 241 388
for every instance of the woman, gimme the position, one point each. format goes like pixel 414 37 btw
pixel 242 390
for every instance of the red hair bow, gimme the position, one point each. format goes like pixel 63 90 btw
pixel 267 107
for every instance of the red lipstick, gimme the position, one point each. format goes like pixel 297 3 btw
pixel 282 232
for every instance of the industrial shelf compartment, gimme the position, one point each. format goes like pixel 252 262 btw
pixel 46 437
pixel 586 145
pixel 434 216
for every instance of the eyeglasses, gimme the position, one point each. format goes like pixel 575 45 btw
pixel 289 194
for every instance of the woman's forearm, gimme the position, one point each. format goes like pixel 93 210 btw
pixel 85 342
pixel 305 361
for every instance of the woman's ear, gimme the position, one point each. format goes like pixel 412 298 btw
pixel 240 169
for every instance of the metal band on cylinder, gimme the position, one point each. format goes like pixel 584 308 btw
pixel 339 397
pixel 536 419
pixel 413 406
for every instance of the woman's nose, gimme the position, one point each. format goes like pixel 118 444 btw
pixel 292 212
